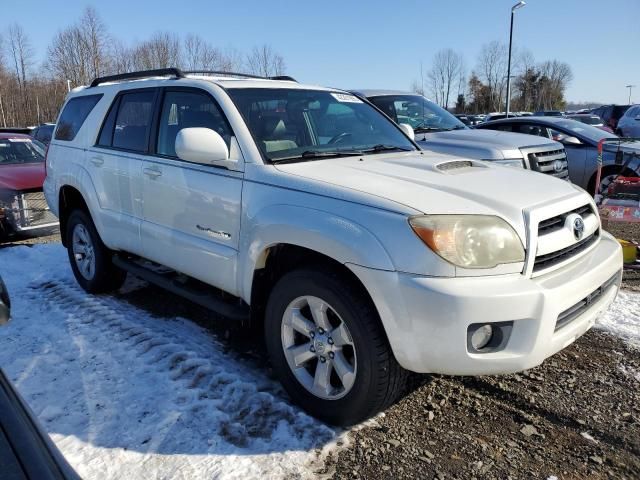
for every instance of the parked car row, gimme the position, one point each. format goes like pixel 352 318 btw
pixel 580 142
pixel 361 230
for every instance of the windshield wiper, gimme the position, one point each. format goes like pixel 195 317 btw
pixel 317 154
pixel 427 129
pixel 385 148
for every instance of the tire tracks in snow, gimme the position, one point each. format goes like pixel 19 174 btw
pixel 236 403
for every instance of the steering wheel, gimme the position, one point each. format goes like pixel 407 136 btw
pixel 338 138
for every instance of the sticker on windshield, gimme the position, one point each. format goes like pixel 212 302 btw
pixel 345 97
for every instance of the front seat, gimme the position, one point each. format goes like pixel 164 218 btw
pixel 273 134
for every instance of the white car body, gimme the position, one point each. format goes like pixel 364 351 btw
pixel 217 224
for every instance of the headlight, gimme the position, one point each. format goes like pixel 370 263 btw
pixel 510 163
pixel 469 241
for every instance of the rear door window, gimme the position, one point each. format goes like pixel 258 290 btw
pixel 73 116
pixel 133 121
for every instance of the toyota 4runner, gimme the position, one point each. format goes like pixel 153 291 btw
pixel 307 210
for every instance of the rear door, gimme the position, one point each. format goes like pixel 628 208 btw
pixel 115 163
pixel 191 211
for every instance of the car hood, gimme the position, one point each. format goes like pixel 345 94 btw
pixel 420 182
pixel 22 176
pixel 481 144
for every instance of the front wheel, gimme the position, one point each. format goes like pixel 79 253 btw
pixel 328 347
pixel 90 259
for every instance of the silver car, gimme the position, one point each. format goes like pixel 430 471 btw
pixel 629 124
pixel 580 142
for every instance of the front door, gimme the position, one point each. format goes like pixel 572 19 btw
pixel 191 212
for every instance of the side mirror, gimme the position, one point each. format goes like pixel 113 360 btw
pixel 570 141
pixel 408 130
pixel 5 304
pixel 201 145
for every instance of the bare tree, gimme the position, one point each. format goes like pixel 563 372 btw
pixel 264 61
pixel 80 52
pixel 20 51
pixel 444 75
pixel 200 55
pixel 162 50
pixel 492 70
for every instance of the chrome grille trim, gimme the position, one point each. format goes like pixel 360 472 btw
pixel 556 223
pixel 543 161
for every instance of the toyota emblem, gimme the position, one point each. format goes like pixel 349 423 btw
pixel 558 166
pixel 578 228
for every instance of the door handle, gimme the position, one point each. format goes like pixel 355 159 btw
pixel 152 172
pixel 97 161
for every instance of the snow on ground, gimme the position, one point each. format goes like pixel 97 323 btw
pixel 623 318
pixel 127 395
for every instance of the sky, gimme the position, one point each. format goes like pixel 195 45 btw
pixel 379 44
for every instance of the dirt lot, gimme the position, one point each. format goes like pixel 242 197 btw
pixel 576 416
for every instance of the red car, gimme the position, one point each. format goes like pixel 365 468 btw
pixel 23 207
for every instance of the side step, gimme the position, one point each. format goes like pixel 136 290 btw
pixel 191 289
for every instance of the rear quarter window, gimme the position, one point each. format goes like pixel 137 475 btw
pixel 73 115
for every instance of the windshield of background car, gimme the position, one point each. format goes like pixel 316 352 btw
pixel 418 112
pixel 289 123
pixel 20 150
pixel 592 133
pixel 589 120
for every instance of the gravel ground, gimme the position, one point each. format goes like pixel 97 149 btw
pixel 576 416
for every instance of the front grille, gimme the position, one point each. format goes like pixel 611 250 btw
pixel 33 211
pixel 553 258
pixel 545 162
pixel 570 314
pixel 553 224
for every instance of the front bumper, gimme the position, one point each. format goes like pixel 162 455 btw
pixel 426 318
pixel 26 212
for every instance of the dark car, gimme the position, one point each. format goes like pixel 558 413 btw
pixel 43 132
pixel 590 119
pixel 464 119
pixel 580 142
pixel 26 451
pixel 548 113
pixel 610 114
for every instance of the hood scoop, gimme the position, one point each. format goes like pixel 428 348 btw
pixel 456 166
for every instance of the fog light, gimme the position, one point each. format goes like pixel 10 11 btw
pixel 481 337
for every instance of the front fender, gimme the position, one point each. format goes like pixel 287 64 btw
pixel 324 232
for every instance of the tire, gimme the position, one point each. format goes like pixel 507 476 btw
pixel 378 379
pixel 102 276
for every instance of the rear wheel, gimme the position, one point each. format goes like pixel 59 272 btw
pixel 328 347
pixel 90 259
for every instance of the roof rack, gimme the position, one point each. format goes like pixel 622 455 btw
pixel 160 72
pixel 241 75
pixel 177 73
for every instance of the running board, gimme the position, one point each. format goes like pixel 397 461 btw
pixel 193 290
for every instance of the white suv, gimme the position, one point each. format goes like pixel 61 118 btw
pixel 306 209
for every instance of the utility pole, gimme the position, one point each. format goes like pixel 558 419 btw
pixel 630 87
pixel 518 5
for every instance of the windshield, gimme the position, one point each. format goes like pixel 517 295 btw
pixel 591 133
pixel 20 150
pixel 588 119
pixel 296 124
pixel 418 112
